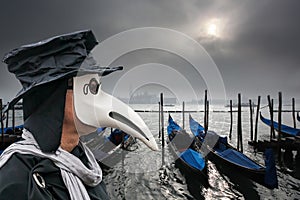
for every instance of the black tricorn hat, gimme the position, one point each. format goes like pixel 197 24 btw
pixel 43 69
pixel 52 59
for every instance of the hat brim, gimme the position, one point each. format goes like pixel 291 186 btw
pixel 101 71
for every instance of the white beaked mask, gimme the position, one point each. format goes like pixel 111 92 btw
pixel 93 107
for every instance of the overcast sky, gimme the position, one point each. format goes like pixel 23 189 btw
pixel 255 44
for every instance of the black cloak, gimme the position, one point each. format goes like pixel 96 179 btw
pixel 43 69
pixel 17 182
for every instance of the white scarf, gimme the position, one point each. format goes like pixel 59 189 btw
pixel 73 171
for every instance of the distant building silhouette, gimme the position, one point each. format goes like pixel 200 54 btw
pixel 146 98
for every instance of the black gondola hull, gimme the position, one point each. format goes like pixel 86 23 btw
pixel 188 169
pixel 257 175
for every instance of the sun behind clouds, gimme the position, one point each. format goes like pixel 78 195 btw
pixel 212 30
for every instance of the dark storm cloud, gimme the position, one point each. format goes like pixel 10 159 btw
pixel 259 40
pixel 260 54
pixel 270 29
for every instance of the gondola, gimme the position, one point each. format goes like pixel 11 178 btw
pixel 10 135
pixel 106 149
pixel 227 157
pixel 286 131
pixel 235 105
pixel 10 130
pixel 188 159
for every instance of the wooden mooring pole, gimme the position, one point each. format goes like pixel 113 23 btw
pixel 231 120
pixel 239 125
pixel 7 118
pixel 237 130
pixel 293 112
pixel 251 120
pixel 159 133
pixel 279 124
pixel 256 120
pixel 205 112
pixel 207 115
pixel 162 119
pixel 271 116
pixel 183 115
pixel 13 118
pixel 273 132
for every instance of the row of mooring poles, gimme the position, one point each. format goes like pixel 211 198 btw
pixel 279 115
pixel 288 153
pixel 253 133
pixel 161 116
pixel 239 124
pixel 7 117
pixel 272 129
pixel 271 110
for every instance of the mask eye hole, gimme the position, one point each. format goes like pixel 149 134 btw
pixel 94 86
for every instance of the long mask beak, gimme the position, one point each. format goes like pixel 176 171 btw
pixel 94 107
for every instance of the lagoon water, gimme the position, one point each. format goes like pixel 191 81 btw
pixel 144 174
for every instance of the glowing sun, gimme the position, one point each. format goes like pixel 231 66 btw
pixel 212 30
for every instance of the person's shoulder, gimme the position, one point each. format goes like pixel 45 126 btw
pixel 19 163
pixel 14 176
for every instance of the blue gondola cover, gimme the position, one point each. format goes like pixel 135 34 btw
pixel 172 126
pixel 196 128
pixel 284 128
pixel 100 129
pixel 193 158
pixel 116 136
pixel 10 128
pixel 239 158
